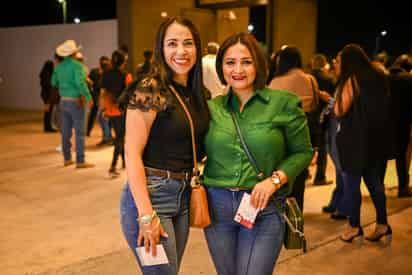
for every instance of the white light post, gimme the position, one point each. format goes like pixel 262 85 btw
pixel 63 3
pixel 378 40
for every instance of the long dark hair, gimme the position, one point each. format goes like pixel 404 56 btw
pixel 356 67
pixel 165 73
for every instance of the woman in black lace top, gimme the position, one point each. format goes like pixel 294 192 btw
pixel 155 200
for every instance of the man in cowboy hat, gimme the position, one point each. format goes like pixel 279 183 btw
pixel 210 78
pixel 70 78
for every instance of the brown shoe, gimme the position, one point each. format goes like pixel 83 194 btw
pixel 68 162
pixel 84 165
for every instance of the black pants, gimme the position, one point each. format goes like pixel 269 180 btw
pixel 322 159
pixel 118 124
pixel 298 190
pixel 401 166
pixel 92 118
pixel 47 126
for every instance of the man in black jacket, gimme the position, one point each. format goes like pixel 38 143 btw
pixel 401 90
pixel 326 83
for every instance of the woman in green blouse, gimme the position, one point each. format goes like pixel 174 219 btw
pixel 276 132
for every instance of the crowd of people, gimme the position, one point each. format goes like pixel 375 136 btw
pixel 352 108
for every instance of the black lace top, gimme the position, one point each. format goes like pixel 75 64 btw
pixel 169 145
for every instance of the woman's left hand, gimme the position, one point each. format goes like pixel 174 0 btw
pixel 262 192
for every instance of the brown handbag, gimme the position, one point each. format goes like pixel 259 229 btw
pixel 199 207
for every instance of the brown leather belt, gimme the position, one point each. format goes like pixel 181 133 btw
pixel 168 174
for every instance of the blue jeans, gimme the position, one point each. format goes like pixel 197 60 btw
pixel 170 198
pixel 338 199
pixel 105 125
pixel 72 116
pixel 353 198
pixel 236 250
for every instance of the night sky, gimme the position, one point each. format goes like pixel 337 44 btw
pixel 339 22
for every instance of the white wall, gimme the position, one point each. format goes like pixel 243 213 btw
pixel 23 51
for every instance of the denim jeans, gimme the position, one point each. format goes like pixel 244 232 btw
pixel 72 116
pixel 338 195
pixel 170 198
pixel 236 250
pixel 353 198
pixel 337 201
pixel 105 126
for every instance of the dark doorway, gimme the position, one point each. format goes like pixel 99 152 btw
pixel 257 19
pixel 257 25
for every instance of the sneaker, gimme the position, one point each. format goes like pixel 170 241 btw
pixel 113 173
pixel 59 148
pixel 84 165
pixel 68 162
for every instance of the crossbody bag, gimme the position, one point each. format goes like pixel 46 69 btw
pixel 294 237
pixel 199 208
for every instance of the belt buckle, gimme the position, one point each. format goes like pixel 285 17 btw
pixel 234 189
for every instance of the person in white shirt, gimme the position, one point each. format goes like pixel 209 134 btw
pixel 210 77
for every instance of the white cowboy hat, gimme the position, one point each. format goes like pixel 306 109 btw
pixel 68 47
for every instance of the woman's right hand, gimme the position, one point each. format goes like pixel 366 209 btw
pixel 149 235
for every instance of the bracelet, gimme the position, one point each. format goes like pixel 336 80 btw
pixel 276 179
pixel 147 219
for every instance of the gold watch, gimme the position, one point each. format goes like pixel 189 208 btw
pixel 276 180
pixel 147 219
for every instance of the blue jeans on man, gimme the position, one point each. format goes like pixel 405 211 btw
pixel 170 198
pixel 72 116
pixel 235 249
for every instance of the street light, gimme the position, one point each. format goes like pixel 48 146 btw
pixel 63 3
pixel 378 40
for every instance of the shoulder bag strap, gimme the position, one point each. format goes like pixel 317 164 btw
pixel 249 155
pixel 315 100
pixel 192 128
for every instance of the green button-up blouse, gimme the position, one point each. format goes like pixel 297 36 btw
pixel 69 77
pixel 275 130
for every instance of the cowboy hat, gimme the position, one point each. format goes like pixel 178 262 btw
pixel 68 47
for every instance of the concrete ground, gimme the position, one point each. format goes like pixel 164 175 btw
pixel 61 221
